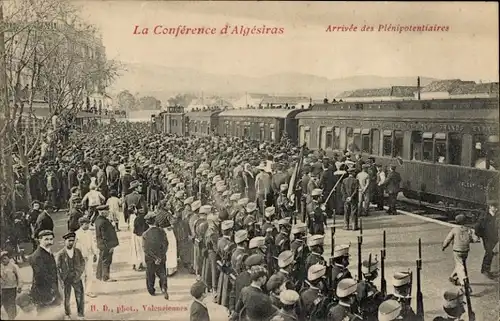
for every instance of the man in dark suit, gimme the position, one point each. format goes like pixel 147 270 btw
pixel 155 244
pixel 44 221
pixel 44 287
pixel 327 182
pixel 198 310
pixel 487 228
pixel 70 265
pixel 107 240
pixel 349 189
pixel 391 184
pixel 134 199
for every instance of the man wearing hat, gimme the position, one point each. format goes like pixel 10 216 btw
pixel 487 228
pixel 257 245
pixel 315 244
pixel 279 178
pixel 84 241
pixel 71 265
pixel 461 237
pixel 369 298
pixel 75 213
pixel 11 284
pixel 263 189
pixel 193 218
pixel 269 215
pixel 244 278
pixel 200 227
pixel 390 310
pixel 349 190
pixel 392 185
pixel 315 299
pixel 364 190
pixel 289 300
pixel 316 216
pixel 241 252
pixel 107 240
pixel 134 199
pixel 453 305
pixel 225 248
pixel 286 263
pixel 210 262
pixel 155 243
pixel 346 308
pixel 282 240
pixel 249 223
pixel 402 283
pixel 285 205
pixel 300 251
pixel 44 221
pixel 45 281
pixel 340 262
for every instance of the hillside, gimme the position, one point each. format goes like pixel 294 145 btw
pixel 162 82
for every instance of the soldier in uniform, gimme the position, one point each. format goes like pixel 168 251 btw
pixel 453 305
pixel 210 263
pixel 257 304
pixel 402 282
pixel 201 227
pixel 282 240
pixel 244 279
pixel 315 244
pixel 284 204
pixel 241 252
pixel 240 213
pixel 250 220
pixel 233 205
pixel 314 299
pixel 195 206
pixel 289 300
pixel 273 287
pixel 349 190
pixel 347 307
pixel 369 297
pixel 316 217
pixel 286 264
pixel 225 247
pixel 390 310
pixel 339 264
pixel 269 215
pixel 257 245
pixel 300 251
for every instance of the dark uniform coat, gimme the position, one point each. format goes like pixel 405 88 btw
pixel 44 285
pixel 198 312
pixel 341 312
pixel 314 258
pixel 105 234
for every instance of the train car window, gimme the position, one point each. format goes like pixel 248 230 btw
pixel 321 135
pixel 398 143
pixel 329 138
pixel 479 151
pixel 273 135
pixel 454 148
pixel 427 147
pixel 356 144
pixel 375 142
pixel 387 143
pixel 262 133
pixel 416 145
pixel 349 138
pixel 365 141
pixel 440 148
pixel 307 137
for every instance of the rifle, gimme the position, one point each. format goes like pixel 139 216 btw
pixel 383 282
pixel 332 252
pixel 470 312
pixel 420 298
pixel 360 243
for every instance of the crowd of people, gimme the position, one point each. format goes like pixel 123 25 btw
pixel 248 218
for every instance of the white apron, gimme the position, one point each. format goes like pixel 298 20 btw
pixel 171 252
pixel 136 250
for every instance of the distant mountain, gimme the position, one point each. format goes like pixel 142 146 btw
pixel 163 82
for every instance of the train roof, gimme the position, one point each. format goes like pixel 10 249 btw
pixel 268 113
pixel 475 114
pixel 207 113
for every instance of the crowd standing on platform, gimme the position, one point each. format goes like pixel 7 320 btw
pixel 247 218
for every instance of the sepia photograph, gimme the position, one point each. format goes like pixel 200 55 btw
pixel 249 160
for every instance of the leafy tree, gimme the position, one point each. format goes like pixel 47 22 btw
pixel 126 101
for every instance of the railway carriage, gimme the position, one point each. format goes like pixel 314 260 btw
pixel 448 155
pixel 202 123
pixel 259 124
pixel 172 121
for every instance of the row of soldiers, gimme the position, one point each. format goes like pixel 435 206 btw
pixel 269 266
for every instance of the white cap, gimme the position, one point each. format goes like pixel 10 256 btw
pixel 313 240
pixel 270 211
pixel 389 310
pixel 227 225
pixel 257 242
pixel 341 250
pixel 401 278
pixel 316 192
pixel 346 287
pixel 316 271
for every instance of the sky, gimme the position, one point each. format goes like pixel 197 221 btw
pixel 468 50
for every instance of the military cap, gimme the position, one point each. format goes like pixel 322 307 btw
pixel 316 271
pixel 315 240
pixel 102 207
pixel 254 259
pixel 195 205
pixel 251 207
pixel 369 267
pixel 285 259
pixel 283 187
pixel 270 211
pixel 389 310
pixel 248 220
pixel 227 225
pixel 175 181
pixel 453 298
pixel 243 201
pixel 197 289
pixel 289 297
pixel 134 184
pixel 189 200
pixel 221 188
pixel 240 236
pixel 346 287
pixel 69 235
pixel 257 242
pixel 401 278
pixel 492 202
pixel 45 233
pixel 317 192
pixel 83 220
pixel 235 197
pixel 284 221
pixel 460 218
pixel 205 209
pixel 341 250
pixel 299 228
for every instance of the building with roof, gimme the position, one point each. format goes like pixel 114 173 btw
pixel 441 89
pixel 249 100
pixel 481 90
pixel 200 104
pixel 379 94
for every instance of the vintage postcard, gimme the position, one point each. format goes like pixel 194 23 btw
pixel 244 160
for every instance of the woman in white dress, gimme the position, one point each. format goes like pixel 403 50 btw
pixel 171 251
pixel 136 250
